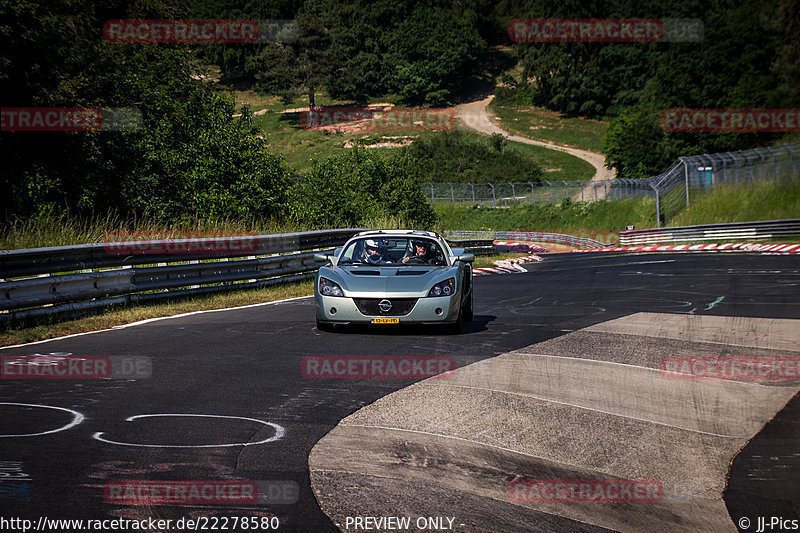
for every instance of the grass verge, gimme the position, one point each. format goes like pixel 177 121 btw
pixel 126 315
pixel 741 203
pixel 602 218
pixel 544 125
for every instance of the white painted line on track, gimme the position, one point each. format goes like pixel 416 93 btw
pixel 280 431
pixel 154 319
pixel 77 418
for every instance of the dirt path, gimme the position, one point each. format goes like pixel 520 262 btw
pixel 476 116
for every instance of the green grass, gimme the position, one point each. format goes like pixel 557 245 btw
pixel 556 165
pixel 300 147
pixel 598 220
pixel 64 230
pixel 741 203
pixel 51 229
pixel 544 125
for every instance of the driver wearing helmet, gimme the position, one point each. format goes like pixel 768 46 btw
pixel 372 252
pixel 419 251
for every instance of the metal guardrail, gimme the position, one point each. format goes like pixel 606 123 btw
pixel 475 246
pixel 117 272
pixel 712 232
pixel 558 238
pixel 15 263
pixel 121 272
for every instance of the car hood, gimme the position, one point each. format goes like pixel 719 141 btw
pixel 379 280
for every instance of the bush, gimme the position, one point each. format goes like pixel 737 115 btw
pixel 350 188
pixel 453 156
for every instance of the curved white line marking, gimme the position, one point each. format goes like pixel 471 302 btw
pixel 279 432
pixel 77 418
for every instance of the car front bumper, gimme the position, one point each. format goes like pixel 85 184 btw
pixel 343 310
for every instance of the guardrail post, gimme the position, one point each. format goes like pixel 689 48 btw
pixel 494 201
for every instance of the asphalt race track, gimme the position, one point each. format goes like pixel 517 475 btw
pixel 72 438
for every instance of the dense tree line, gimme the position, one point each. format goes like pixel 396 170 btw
pixel 420 50
pixel 192 157
pixel 749 57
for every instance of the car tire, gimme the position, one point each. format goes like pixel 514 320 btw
pixel 322 326
pixel 468 314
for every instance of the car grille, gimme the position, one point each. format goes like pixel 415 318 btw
pixel 400 306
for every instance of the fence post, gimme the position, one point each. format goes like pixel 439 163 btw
pixel 533 202
pixel 494 201
pixel 763 164
pixel 431 184
pixel 686 173
pixel 452 195
pixel 658 206
pixel 724 168
pixel 551 191
pixel 772 151
pixel 471 186
pixel 566 188
pixel 794 164
pixel 513 195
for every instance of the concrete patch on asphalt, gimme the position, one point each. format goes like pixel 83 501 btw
pixel 560 410
pixel 768 333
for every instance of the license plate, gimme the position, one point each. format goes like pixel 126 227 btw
pixel 385 320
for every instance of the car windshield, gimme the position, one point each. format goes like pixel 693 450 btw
pixel 395 251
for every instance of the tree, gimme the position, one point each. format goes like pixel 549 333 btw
pixel 188 157
pixel 301 66
pixel 433 52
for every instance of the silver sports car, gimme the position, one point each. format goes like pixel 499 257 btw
pixel 394 277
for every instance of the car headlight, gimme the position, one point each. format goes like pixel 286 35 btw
pixel 329 288
pixel 443 288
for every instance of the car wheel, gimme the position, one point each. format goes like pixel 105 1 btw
pixel 468 311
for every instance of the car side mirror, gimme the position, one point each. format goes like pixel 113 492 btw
pixel 466 258
pixel 322 258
